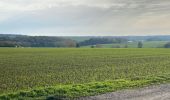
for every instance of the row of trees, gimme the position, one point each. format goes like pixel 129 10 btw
pixel 167 45
pixel 36 41
pixel 45 41
pixel 94 41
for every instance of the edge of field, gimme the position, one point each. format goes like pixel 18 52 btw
pixel 60 92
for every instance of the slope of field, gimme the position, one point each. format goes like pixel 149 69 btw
pixel 30 68
pixel 146 44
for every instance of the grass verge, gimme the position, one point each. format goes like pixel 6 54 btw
pixel 63 92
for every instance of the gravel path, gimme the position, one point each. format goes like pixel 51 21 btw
pixel 160 92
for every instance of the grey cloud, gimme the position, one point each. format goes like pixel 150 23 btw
pixel 86 17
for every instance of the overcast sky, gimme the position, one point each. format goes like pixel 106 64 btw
pixel 85 17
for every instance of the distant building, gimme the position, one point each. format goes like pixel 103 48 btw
pixel 130 41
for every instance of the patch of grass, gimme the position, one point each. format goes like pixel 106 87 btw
pixel 63 92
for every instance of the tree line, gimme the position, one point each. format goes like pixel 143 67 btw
pixel 95 41
pixel 49 41
pixel 35 41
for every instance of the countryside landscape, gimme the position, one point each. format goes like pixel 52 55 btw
pixel 73 72
pixel 84 50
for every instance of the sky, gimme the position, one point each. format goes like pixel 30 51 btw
pixel 85 17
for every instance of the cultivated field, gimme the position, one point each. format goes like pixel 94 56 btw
pixel 25 69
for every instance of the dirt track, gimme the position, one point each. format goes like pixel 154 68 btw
pixel 160 92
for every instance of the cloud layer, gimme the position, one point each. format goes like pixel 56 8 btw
pixel 85 17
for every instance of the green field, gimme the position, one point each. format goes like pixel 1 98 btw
pixel 26 69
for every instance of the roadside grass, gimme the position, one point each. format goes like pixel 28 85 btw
pixel 64 92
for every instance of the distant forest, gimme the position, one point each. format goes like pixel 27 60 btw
pixel 103 40
pixel 49 41
pixel 34 41
pixel 8 40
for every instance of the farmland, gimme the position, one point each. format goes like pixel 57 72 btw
pixel 24 69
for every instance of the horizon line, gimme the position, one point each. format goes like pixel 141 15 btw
pixel 88 35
